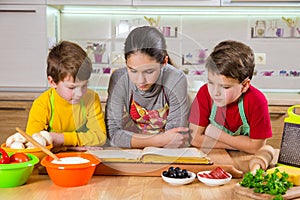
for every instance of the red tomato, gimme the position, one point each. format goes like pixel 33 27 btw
pixel 19 158
pixel 4 157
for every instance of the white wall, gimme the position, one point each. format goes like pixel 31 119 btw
pixel 195 32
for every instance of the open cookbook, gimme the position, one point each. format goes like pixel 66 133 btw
pixel 153 155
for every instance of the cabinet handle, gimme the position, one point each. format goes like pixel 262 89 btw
pixel 17 11
pixel 12 108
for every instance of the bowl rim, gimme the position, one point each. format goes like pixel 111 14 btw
pixel 179 181
pixel 208 171
pixel 213 182
pixel 46 161
pixel 33 160
pixel 27 150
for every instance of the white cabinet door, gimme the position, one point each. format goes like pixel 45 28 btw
pixel 176 2
pixel 23 48
pixel 28 2
pixel 260 3
pixel 90 2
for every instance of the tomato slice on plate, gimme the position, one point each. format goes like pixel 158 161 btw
pixel 219 173
pixel 205 175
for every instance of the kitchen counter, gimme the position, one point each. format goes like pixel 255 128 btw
pixel 283 99
pixel 274 98
pixel 126 187
pixel 18 96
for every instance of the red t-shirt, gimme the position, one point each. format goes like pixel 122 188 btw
pixel 255 108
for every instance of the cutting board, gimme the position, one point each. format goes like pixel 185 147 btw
pixel 220 158
pixel 292 193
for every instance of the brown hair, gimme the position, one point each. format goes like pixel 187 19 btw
pixel 147 40
pixel 67 58
pixel 232 59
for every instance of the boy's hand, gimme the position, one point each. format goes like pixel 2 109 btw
pixel 212 131
pixel 58 139
pixel 83 149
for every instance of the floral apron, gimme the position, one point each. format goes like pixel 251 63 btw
pixel 83 128
pixel 244 129
pixel 149 121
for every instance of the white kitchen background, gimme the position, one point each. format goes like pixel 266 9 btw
pixel 190 40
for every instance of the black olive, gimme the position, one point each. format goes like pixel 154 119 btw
pixel 177 169
pixel 184 170
pixel 173 174
pixel 171 169
pixel 180 174
pixel 166 174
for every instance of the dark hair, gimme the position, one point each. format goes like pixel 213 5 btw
pixel 232 59
pixel 67 58
pixel 147 40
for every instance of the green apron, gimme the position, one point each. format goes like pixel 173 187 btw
pixel 244 129
pixel 83 128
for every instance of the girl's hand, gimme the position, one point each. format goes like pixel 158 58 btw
pixel 58 139
pixel 174 138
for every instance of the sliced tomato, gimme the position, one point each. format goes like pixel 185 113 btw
pixel 205 175
pixel 219 173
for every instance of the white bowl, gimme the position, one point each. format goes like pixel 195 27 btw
pixel 179 181
pixel 211 181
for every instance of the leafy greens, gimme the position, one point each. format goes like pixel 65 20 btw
pixel 275 183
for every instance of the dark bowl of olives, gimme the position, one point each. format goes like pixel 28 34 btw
pixel 177 176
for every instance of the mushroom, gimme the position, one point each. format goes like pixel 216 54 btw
pixel 47 137
pixel 17 145
pixel 17 137
pixel 40 139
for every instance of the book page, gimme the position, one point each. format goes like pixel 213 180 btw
pixel 174 152
pixel 128 154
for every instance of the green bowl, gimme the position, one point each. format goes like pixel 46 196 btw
pixel 12 175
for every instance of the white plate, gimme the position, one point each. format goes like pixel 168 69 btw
pixel 180 181
pixel 211 181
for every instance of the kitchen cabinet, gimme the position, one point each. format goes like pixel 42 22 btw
pixel 23 47
pixel 90 2
pixel 13 113
pixel 176 3
pixel 137 2
pixel 277 115
pixel 13 2
pixel 260 3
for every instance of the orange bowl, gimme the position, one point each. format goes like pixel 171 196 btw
pixel 71 175
pixel 35 151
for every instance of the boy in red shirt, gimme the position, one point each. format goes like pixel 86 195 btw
pixel 228 112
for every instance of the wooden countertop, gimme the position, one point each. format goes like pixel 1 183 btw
pixel 126 187
pixel 18 96
pixel 274 98
pixel 283 99
pixel 30 96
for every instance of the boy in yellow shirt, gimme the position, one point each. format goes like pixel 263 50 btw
pixel 69 111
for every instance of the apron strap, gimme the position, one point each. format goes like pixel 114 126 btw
pixel 52 111
pixel 244 127
pixel 242 111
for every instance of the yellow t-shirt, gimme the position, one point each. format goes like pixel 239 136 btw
pixel 68 118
